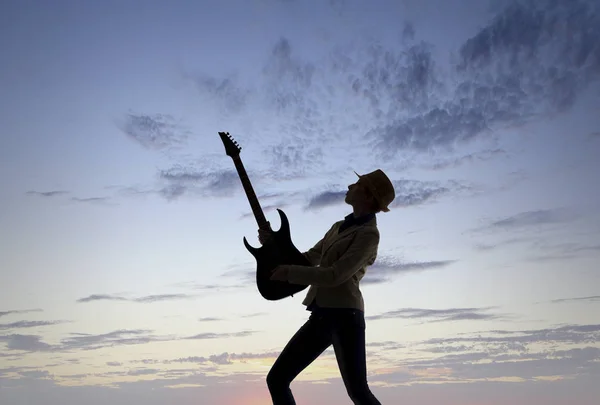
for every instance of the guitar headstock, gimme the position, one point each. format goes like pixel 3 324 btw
pixel 232 148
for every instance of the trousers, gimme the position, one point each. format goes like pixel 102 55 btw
pixel 342 328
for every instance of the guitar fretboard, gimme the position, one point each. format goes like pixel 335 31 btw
pixel 254 204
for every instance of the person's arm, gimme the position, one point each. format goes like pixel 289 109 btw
pixel 359 254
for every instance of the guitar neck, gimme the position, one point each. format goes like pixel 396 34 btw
pixel 250 194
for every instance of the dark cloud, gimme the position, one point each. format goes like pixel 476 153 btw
pixel 408 193
pixel 153 131
pixel 18 311
pixel 438 315
pixel 325 199
pixel 413 192
pixel 29 343
pixel 524 64
pixel 27 324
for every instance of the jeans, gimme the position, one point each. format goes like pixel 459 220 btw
pixel 345 329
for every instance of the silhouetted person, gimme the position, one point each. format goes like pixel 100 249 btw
pixel 339 261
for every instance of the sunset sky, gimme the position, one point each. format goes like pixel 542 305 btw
pixel 123 276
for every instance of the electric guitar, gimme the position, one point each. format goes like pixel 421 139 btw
pixel 279 249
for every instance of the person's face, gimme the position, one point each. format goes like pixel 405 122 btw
pixel 359 194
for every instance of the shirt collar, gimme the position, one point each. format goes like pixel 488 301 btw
pixel 351 220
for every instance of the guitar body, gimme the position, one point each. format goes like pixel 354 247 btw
pixel 278 250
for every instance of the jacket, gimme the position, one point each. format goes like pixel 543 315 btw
pixel 339 261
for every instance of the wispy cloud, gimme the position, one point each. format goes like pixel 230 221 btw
pixel 211 335
pixel 52 193
pixel 532 218
pixel 438 315
pixel 210 319
pixel 399 99
pixel 28 324
pixel 563 352
pixel 389 266
pixel 91 200
pixel 143 299
pixel 224 358
pixel 18 311
pixel 576 299
pixel 153 131
pixel 122 337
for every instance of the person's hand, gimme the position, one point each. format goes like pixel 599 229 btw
pixel 264 235
pixel 280 273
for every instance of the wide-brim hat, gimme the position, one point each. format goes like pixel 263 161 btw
pixel 381 187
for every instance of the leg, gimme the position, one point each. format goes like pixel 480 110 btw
pixel 303 348
pixel 348 339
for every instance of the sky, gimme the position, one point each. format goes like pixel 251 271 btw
pixel 123 276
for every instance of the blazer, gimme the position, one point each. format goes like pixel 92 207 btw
pixel 339 261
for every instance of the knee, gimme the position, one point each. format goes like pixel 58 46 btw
pixel 275 381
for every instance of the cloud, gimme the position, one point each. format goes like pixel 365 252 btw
pixel 210 319
pixel 211 335
pixel 30 343
pixel 162 297
pixel 143 299
pixel 567 334
pixel 391 266
pixel 481 156
pixel 325 199
pixel 438 315
pixel 562 351
pixel 52 193
pixel 87 341
pixel 592 298
pixel 91 200
pixel 102 297
pixel 408 193
pixel 27 324
pixel 153 131
pixel 224 358
pixel 531 218
pixel 18 311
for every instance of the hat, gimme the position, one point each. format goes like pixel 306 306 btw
pixel 380 186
